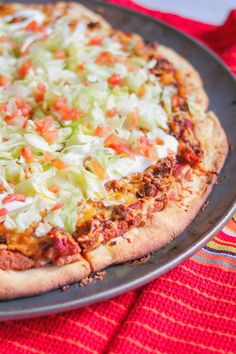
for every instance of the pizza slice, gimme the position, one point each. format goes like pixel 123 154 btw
pixel 107 149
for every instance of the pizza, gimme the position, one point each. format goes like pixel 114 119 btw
pixel 107 151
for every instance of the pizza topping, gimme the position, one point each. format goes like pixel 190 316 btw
pixel 91 123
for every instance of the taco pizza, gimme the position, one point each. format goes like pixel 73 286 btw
pixel 107 150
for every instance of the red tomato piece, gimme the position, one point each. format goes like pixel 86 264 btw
pixel 96 41
pixel 59 103
pixel 57 206
pixel 40 93
pixel 27 153
pixel 105 58
pixel 159 141
pixel 54 189
pixel 121 146
pixel 13 197
pixel 34 27
pixel 111 113
pixel 44 125
pixel 144 146
pixel 23 108
pixel 24 69
pixel 115 80
pixel 67 113
pixel 3 211
pixel 132 119
pixel 5 81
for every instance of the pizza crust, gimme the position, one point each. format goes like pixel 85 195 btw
pixel 164 226
pixel 35 281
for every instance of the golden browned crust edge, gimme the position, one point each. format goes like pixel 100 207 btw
pixel 170 222
pixel 35 281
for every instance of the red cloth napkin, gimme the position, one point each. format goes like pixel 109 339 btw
pixel 189 310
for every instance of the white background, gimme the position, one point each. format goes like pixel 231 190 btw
pixel 211 11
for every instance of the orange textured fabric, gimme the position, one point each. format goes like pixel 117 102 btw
pixel 192 309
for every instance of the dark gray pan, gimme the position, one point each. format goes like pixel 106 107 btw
pixel 221 88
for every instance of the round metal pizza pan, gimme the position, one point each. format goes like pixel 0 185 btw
pixel 221 89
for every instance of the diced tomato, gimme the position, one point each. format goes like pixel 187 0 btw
pixel 102 131
pixel 3 211
pixel 96 41
pixel 105 58
pixel 60 164
pixel 24 69
pixel 67 113
pixel 8 118
pixel 111 113
pixel 132 119
pixel 27 153
pixel 23 108
pixel 44 125
pixel 16 120
pixel 159 141
pixel 48 157
pixel 34 27
pixel 13 198
pixel 51 136
pixel 70 113
pixel 121 146
pixel 40 93
pixel 54 189
pixel 146 149
pixel 99 130
pixel 5 81
pixel 115 80
pixel 57 206
pixel 3 107
pixel 59 103
pixel 95 166
pixel 59 54
pixel 144 146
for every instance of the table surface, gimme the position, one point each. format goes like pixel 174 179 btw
pixel 215 14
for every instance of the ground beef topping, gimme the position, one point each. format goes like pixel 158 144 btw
pixel 149 193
